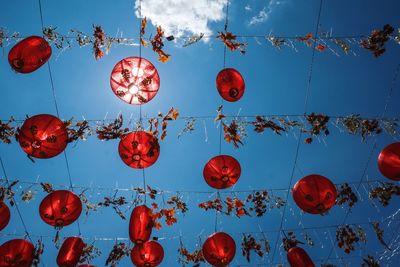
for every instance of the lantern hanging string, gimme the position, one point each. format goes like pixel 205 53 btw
pixel 307 93
pixel 57 111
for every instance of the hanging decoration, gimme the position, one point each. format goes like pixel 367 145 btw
pixel 29 54
pixel 4 215
pixel 139 149
pixel 230 84
pixel 389 161
pixel 149 254
pixel 60 208
pixel 346 196
pixel 117 253
pixel 70 252
pixel 384 193
pixel 347 237
pixel 17 252
pixel 249 243
pixel 314 194
pixel 298 257
pixel 140 224
pixel 135 80
pixel 42 136
pixel 219 249
pixel 222 172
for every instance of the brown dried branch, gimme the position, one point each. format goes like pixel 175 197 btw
pixel 7 131
pixel 384 193
pixel 249 244
pixel 112 130
pixel 379 234
pixel 119 251
pixel 377 40
pixel 81 130
pixel 346 196
pixel 230 42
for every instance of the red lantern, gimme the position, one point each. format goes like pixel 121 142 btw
pixel 140 224
pixel 314 194
pixel 16 252
pixel 4 215
pixel 139 149
pixel 219 249
pixel 70 252
pixel 230 84
pixel 29 54
pixel 86 265
pixel 222 171
pixel 60 208
pixel 135 80
pixel 43 136
pixel 149 254
pixel 298 257
pixel 389 161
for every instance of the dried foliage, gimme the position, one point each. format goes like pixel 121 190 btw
pixel 377 40
pixel 290 241
pixel 228 206
pixel 143 25
pixel 354 124
pixel 260 124
pixel 79 130
pixel 89 206
pixel 234 132
pixel 346 196
pixel 7 131
pixel 229 40
pixel 178 203
pixel 319 124
pixel 249 243
pixel 154 122
pixel 379 234
pixel 189 127
pixel 7 193
pixel 112 130
pixel 47 187
pixel 115 202
pixel 37 253
pixel 307 39
pixel 27 195
pixel 99 41
pixel 185 257
pixel 347 237
pixel 89 253
pixel 370 261
pixel 119 251
pixel 384 193
pixel 158 44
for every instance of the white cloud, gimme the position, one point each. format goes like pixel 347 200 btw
pixel 247 8
pixel 264 14
pixel 180 17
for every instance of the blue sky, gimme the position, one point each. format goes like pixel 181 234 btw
pixel 276 83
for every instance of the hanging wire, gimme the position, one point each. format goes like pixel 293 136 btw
pixel 308 88
pixel 58 112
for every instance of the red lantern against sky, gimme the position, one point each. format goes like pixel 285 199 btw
pixel 16 252
pixel 149 254
pixel 140 224
pixel 230 84
pixel 43 136
pixel 314 194
pixel 298 257
pixel 29 54
pixel 70 252
pixel 389 161
pixel 222 171
pixel 135 80
pixel 60 208
pixel 219 249
pixel 4 215
pixel 86 265
pixel 139 149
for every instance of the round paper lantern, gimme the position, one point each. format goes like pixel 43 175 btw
pixel 140 224
pixel 219 249
pixel 298 257
pixel 230 84
pixel 29 54
pixel 314 194
pixel 70 252
pixel 43 136
pixel 149 254
pixel 389 161
pixel 4 215
pixel 139 149
pixel 222 171
pixel 135 80
pixel 60 208
pixel 16 252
